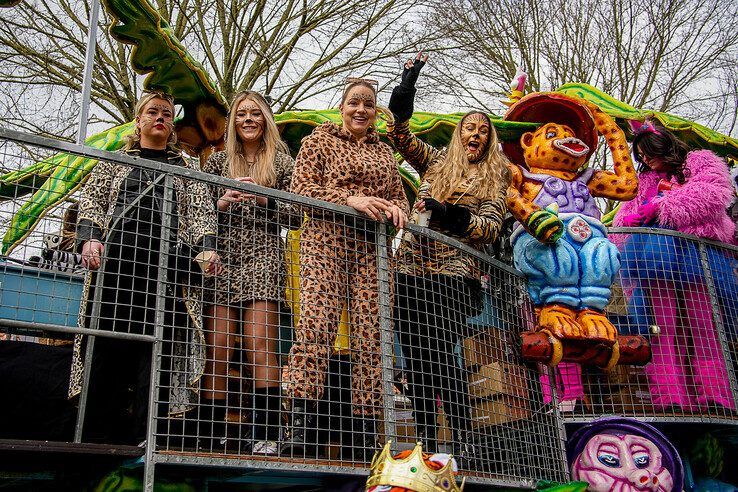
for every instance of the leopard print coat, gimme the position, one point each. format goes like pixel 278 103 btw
pixel 249 241
pixel 197 219
pixel 418 255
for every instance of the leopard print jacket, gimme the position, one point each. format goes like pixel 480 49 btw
pixel 197 219
pixel 419 255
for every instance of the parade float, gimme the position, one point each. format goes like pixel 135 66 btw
pixel 548 334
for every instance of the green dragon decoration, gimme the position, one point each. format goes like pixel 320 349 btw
pixel 168 66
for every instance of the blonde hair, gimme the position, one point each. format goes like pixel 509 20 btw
pixel 68 232
pixel 262 170
pixel 134 140
pixel 493 174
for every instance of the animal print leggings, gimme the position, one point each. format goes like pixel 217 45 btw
pixel 337 267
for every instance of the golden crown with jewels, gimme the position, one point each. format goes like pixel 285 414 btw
pixel 411 472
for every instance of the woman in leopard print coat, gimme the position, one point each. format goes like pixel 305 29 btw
pixel 346 165
pixel 119 229
pixel 244 300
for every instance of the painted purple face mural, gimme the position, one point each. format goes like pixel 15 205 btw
pixel 622 463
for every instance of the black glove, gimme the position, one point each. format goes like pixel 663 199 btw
pixel 402 99
pixel 437 208
pixel 456 219
pixel 410 75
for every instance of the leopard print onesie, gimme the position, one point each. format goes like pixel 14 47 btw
pixel 339 262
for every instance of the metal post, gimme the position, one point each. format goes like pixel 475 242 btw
pixel 156 349
pixel 717 320
pixel 387 340
pixel 87 74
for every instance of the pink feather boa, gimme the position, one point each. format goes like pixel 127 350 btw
pixel 698 206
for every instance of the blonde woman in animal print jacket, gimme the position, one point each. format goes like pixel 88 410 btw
pixel 348 165
pixel 119 229
pixel 243 302
pixel 464 189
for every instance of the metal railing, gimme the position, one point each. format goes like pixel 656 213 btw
pixel 318 316
pixel 326 334
pixel 681 292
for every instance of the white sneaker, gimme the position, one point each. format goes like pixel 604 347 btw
pixel 270 448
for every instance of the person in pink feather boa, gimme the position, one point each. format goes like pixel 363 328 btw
pixel 686 191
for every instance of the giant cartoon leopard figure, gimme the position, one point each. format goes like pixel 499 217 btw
pixel 560 243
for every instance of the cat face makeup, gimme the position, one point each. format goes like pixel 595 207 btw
pixel 249 122
pixel 475 130
pixel 155 123
pixel 359 111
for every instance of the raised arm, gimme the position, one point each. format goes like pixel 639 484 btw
pixel 621 183
pixel 417 153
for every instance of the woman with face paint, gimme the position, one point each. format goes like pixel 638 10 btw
pixel 463 188
pixel 244 301
pixel 119 230
pixel 348 165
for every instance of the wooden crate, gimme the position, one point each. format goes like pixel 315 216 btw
pixel 490 345
pixel 498 378
pixel 499 411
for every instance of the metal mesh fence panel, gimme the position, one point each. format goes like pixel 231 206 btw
pixel 316 335
pixel 463 389
pixel 679 292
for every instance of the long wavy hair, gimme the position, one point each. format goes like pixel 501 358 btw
pixel 133 140
pixel 262 170
pixel 493 174
pixel 663 144
pixel 69 228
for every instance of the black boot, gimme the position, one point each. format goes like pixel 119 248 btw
pixel 301 433
pixel 211 425
pixel 266 420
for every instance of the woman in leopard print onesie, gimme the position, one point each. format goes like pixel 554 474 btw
pixel 348 165
pixel 464 188
pixel 244 301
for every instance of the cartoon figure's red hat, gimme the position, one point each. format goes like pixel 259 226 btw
pixel 551 107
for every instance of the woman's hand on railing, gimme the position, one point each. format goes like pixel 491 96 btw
pixel 397 216
pixel 227 199
pixel 372 206
pixel 92 252
pixel 214 266
pixel 261 200
pixel 233 196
